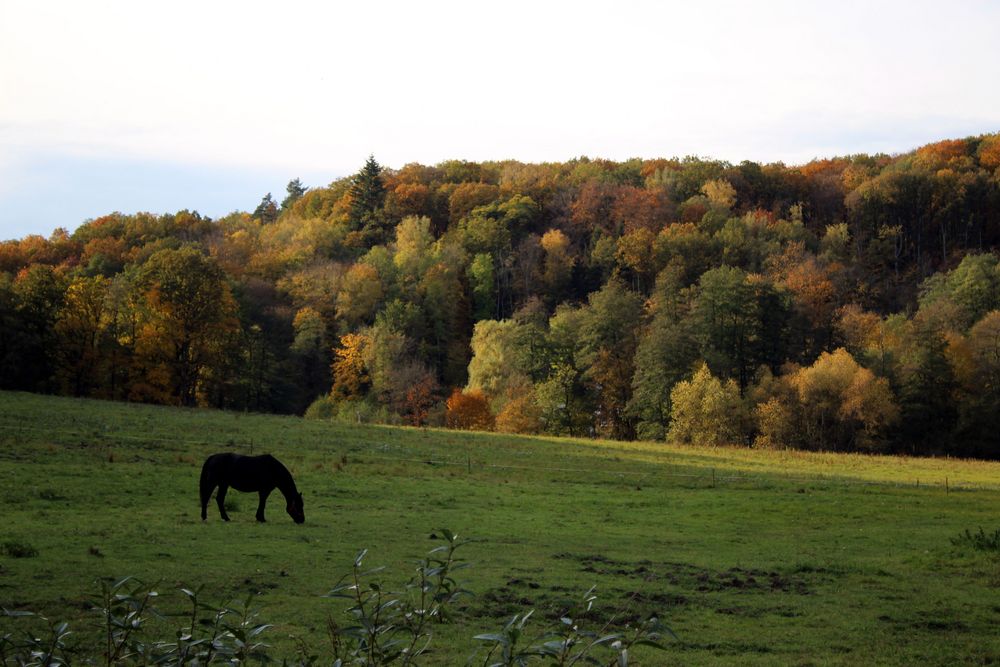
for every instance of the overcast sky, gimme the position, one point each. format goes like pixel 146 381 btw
pixel 208 105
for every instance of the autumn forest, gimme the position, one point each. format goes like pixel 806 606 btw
pixel 848 304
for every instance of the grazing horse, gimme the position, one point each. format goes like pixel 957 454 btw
pixel 248 473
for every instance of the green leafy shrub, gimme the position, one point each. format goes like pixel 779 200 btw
pixel 324 407
pixel 350 411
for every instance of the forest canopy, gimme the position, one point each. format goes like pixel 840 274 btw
pixel 850 303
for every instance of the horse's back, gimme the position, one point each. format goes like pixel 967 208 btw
pixel 243 473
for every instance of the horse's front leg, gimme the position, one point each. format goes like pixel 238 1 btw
pixel 220 498
pixel 260 506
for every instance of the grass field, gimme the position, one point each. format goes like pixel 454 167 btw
pixel 751 557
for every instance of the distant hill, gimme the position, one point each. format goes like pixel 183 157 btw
pixel 848 303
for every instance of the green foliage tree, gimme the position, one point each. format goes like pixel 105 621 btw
pixel 705 411
pixel 446 310
pixel 740 322
pixel 609 329
pixel 665 354
pixel 979 408
pixel 482 281
pixel 968 292
pixel 10 334
pixel 927 392
pixel 38 293
pixel 566 408
pixel 311 345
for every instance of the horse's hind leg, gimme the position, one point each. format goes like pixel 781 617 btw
pixel 260 505
pixel 205 487
pixel 206 495
pixel 220 499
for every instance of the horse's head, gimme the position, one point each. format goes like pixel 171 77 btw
pixel 295 508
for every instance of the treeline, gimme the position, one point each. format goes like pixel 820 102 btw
pixel 850 303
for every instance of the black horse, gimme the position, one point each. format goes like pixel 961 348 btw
pixel 248 473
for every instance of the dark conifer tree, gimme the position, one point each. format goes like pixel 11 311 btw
pixel 927 396
pixel 295 190
pixel 267 210
pixel 367 198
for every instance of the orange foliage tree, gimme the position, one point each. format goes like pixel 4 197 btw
pixel 469 411
pixel 520 415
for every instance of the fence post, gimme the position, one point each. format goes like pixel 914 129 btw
pixel 713 478
pixel 469 462
pixel 946 485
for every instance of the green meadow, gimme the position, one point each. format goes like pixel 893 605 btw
pixel 750 557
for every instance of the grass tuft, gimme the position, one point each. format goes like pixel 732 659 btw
pixel 981 541
pixel 18 550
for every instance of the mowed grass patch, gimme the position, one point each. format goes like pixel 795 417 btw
pixel 786 558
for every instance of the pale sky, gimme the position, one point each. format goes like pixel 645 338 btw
pixel 208 105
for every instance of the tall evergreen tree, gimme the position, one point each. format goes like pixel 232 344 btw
pixel 367 198
pixel 927 395
pixel 295 190
pixel 267 210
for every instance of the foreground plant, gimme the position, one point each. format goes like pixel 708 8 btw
pixel 34 648
pixel 569 642
pixel 389 625
pixel 126 607
pixel 232 635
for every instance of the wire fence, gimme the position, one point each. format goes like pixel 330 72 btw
pixel 710 476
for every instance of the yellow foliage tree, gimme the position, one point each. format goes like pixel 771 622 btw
pixel 558 261
pixel 359 295
pixel 414 242
pixel 705 411
pixel 636 252
pixel 188 321
pixel 81 327
pixel 350 373
pixel 776 424
pixel 836 404
pixel 989 151
pixel 720 192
